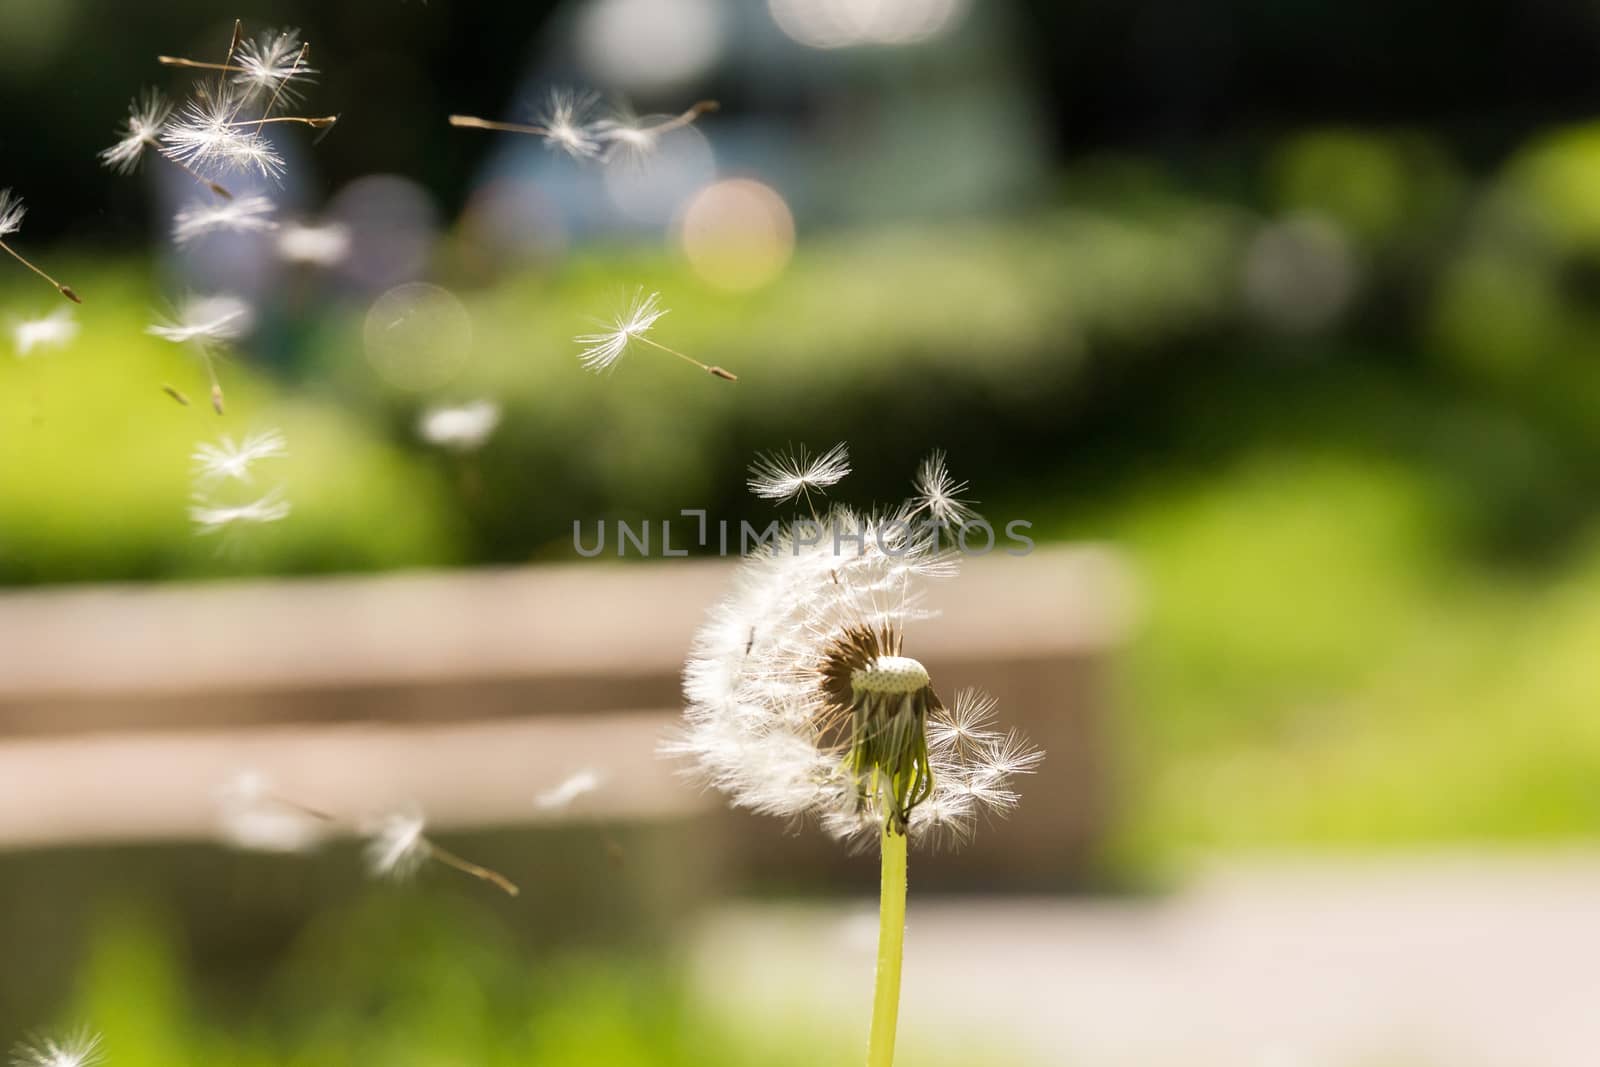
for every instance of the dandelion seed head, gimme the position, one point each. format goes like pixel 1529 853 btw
pixel 147 118
pixel 226 460
pixel 783 476
pixel 247 214
pixel 461 429
pixel 52 331
pixel 601 351
pixel 11 213
pixel 396 846
pixel 801 701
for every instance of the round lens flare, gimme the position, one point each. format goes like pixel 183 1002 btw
pixel 417 336
pixel 737 234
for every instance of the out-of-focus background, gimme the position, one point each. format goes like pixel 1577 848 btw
pixel 1280 323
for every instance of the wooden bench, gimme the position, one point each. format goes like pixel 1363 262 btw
pixel 122 709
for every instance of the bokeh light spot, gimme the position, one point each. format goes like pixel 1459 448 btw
pixel 737 234
pixel 417 336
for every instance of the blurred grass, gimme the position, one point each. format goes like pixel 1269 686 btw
pixel 410 986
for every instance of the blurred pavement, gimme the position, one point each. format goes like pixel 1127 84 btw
pixel 1446 961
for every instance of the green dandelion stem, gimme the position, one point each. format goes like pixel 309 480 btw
pixel 891 948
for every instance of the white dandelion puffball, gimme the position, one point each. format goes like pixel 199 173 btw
pixel 52 331
pixel 461 429
pixel 801 701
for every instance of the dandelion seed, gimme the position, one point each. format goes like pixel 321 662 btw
pixel 565 124
pixel 206 137
pixel 82 1049
pixel 315 246
pixel 397 848
pixel 461 429
pixel 269 65
pixel 12 213
pixel 561 796
pixel 52 331
pixel 255 817
pixel 147 117
pixel 214 463
pixel 938 495
pixel 784 476
pixel 210 517
pixel 967 727
pixel 628 137
pixel 210 320
pixel 251 214
pixel 601 351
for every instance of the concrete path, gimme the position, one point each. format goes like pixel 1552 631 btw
pixel 1454 961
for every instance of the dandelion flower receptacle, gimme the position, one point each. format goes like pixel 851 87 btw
pixel 802 701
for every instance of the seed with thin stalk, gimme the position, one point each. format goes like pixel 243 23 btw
pixel 939 496
pixel 398 847
pixel 207 136
pixel 601 351
pixel 782 476
pixel 566 124
pixel 147 119
pixel 626 136
pixel 11 215
pixel 228 460
pixel 207 323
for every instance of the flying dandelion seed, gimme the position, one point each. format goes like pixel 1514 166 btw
pixel 601 351
pixel 460 429
pixel 83 1049
pixel 314 246
pixel 226 460
pixel 250 214
pixel 255 817
pixel 142 130
pixel 938 495
pixel 210 517
pixel 561 796
pixel 628 138
pixel 801 703
pixel 566 124
pixel 398 848
pixel 207 137
pixel 12 213
pixel 270 64
pixel 784 476
pixel 52 331
pixel 207 323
